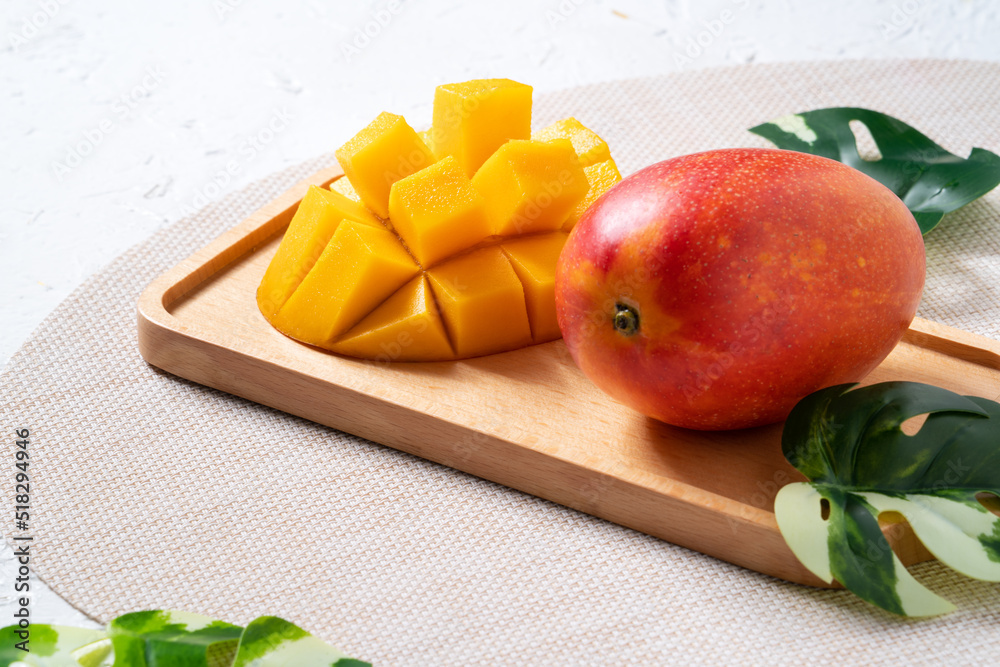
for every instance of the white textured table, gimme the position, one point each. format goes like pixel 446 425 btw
pixel 120 118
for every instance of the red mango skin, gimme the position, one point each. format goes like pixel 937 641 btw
pixel 759 276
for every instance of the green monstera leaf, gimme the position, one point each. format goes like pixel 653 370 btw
pixel 849 444
pixel 930 180
pixel 170 639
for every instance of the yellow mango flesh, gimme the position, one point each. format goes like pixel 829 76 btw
pixel 437 212
pixel 427 136
pixel 531 186
pixel 381 154
pixel 473 119
pixel 461 261
pixel 343 186
pixel 359 268
pixel 482 302
pixel 316 219
pixel 406 327
pixel 534 261
pixel 600 178
pixel 589 147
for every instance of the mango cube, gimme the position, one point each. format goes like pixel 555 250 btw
pixel 534 261
pixel 316 219
pixel 381 154
pixel 531 186
pixel 589 147
pixel 473 119
pixel 600 177
pixel 359 268
pixel 482 302
pixel 406 327
pixel 438 212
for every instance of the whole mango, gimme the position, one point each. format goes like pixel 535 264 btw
pixel 715 290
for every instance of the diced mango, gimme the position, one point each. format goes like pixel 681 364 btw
pixel 316 219
pixel 359 268
pixel 600 177
pixel 589 147
pixel 482 302
pixel 438 212
pixel 440 244
pixel 473 119
pixel 381 154
pixel 406 327
pixel 531 186
pixel 534 261
pixel 343 186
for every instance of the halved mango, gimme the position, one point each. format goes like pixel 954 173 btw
pixel 450 260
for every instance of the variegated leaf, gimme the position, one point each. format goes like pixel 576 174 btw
pixel 861 464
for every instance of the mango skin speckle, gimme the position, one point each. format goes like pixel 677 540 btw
pixel 759 276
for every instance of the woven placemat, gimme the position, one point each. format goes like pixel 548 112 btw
pixel 153 492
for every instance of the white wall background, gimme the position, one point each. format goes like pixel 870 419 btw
pixel 119 117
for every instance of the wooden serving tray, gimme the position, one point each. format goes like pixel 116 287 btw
pixel 528 419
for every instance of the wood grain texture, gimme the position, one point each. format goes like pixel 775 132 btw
pixel 527 419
